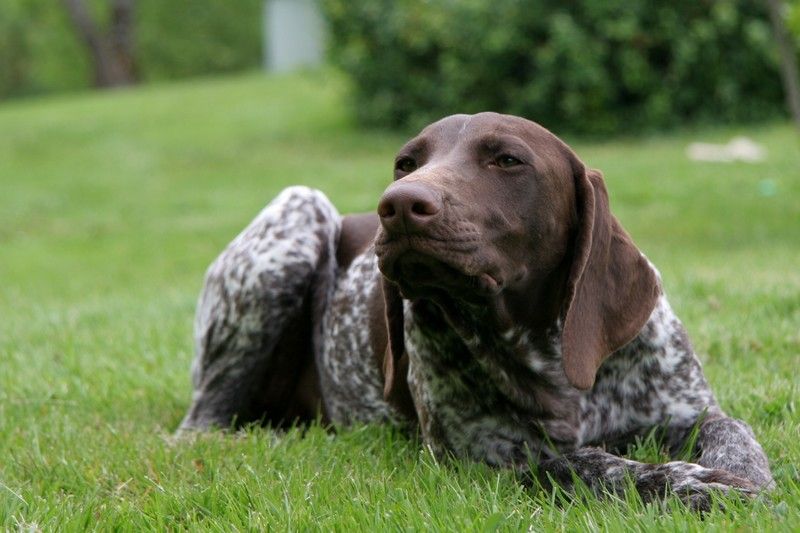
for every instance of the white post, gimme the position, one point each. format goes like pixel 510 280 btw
pixel 293 34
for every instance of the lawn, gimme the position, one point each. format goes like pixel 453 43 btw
pixel 111 207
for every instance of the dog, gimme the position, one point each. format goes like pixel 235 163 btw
pixel 493 303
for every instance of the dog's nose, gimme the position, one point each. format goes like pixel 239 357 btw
pixel 408 207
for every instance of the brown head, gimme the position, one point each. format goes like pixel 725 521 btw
pixel 495 210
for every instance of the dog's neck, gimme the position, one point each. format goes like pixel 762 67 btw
pixel 521 366
pixel 516 333
pixel 534 306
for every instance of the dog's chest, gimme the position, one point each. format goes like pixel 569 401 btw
pixel 494 397
pixel 349 373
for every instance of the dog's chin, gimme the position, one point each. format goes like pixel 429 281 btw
pixel 420 275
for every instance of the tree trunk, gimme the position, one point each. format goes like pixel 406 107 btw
pixel 112 51
pixel 791 81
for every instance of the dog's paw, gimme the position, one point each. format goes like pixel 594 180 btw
pixel 697 488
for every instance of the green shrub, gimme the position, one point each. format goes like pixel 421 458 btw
pixel 793 19
pixel 38 49
pixel 588 66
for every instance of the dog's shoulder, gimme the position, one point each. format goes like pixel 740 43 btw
pixel 358 232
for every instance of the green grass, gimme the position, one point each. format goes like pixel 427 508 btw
pixel 111 207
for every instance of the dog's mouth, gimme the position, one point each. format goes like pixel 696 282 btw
pixel 421 268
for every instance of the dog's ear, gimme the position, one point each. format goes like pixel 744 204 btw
pixel 611 289
pixel 395 360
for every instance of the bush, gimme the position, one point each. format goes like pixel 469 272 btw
pixel 589 66
pixel 38 49
pixel 793 19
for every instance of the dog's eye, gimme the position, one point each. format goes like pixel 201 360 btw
pixel 405 164
pixel 506 161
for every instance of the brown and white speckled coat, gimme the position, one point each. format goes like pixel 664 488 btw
pixel 493 302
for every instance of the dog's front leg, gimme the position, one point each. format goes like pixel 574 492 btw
pixel 604 472
pixel 728 444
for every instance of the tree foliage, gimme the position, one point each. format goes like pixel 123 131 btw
pixel 40 51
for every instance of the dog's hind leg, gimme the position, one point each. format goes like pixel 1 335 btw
pixel 253 328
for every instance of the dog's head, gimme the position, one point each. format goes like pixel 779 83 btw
pixel 495 210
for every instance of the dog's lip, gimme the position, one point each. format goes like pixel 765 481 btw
pixel 414 271
pixel 384 243
pixel 489 283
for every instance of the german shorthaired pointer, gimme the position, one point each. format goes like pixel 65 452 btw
pixel 493 302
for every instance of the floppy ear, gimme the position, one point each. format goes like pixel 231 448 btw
pixel 395 360
pixel 611 289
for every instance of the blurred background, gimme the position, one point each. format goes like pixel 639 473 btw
pixel 585 66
